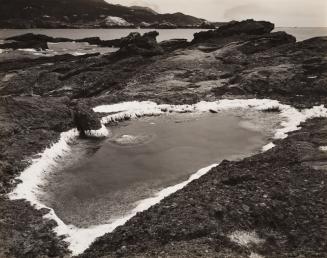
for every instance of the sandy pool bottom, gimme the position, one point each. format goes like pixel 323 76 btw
pixel 101 180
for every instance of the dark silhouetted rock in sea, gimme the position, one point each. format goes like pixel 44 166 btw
pixel 39 42
pixel 135 44
pixel 37 37
pixel 30 40
pixel 38 45
pixel 247 27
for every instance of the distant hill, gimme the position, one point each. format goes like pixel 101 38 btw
pixel 84 14
pixel 148 9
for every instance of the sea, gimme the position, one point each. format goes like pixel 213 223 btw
pixel 108 34
pixel 300 33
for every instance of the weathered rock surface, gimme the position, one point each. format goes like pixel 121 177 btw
pixel 11 66
pixel 85 119
pixel 248 27
pixel 27 126
pixel 267 65
pixel 24 233
pixel 35 108
pixel 135 44
pixel 38 45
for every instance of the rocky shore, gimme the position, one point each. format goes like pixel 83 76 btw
pixel 280 195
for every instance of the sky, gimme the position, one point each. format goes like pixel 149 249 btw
pixel 301 13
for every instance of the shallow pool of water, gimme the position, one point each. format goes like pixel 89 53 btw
pixel 102 180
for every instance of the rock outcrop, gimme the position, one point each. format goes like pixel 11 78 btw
pixel 28 125
pixel 30 40
pixel 247 27
pixel 85 119
pixel 37 37
pixel 37 45
pixel 302 76
pixel 39 42
pixel 135 44
pixel 24 232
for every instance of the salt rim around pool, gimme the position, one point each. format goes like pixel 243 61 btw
pixel 80 239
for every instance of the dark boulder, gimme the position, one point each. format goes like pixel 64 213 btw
pixel 30 40
pixel 132 38
pixel 42 39
pixel 135 44
pixel 152 34
pixel 148 40
pixel 38 37
pixel 250 27
pixel 38 45
pixel 91 40
pixel 85 119
pixel 247 27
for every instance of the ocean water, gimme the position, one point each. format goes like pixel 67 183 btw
pixel 104 34
pixel 304 33
pixel 80 48
pixel 165 34
pixel 103 180
pixel 107 34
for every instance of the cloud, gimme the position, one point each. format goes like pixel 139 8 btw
pixel 244 11
pixel 283 13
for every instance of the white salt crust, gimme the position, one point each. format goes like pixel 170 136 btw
pixel 80 239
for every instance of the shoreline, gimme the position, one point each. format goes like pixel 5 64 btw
pixel 80 239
